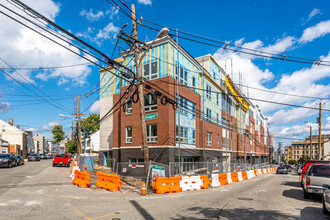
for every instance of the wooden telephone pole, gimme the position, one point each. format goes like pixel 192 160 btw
pixel 79 128
pixel 141 96
pixel 320 120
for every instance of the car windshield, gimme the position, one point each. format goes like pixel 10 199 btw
pixel 320 171
pixel 34 155
pixel 4 155
pixel 62 156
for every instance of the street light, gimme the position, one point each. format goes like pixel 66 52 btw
pixel 162 33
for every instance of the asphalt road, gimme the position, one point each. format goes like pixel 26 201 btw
pixel 45 192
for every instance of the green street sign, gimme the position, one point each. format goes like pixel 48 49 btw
pixel 151 116
pixel 157 167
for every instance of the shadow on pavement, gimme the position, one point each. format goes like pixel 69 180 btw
pixel 141 210
pixel 299 195
pixel 295 184
pixel 34 184
pixel 239 213
pixel 313 213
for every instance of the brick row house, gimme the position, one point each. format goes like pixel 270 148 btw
pixel 209 118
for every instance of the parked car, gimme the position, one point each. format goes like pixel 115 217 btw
pixel 20 160
pixel 61 159
pixel 49 156
pixel 43 156
pixel 326 199
pixel 309 163
pixel 282 169
pixel 316 176
pixel 34 157
pixel 8 160
pixel 288 167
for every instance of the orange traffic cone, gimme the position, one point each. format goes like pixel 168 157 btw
pixel 143 191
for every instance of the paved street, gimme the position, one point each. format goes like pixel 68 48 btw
pixel 39 191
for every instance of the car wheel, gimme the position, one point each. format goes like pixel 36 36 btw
pixel 324 209
pixel 53 165
pixel 306 195
pixel 9 165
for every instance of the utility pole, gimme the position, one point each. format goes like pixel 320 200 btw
pixel 79 127
pixel 310 142
pixel 141 97
pixel 320 119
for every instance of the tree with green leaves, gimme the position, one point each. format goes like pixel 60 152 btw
pixel 71 147
pixel 89 125
pixel 58 133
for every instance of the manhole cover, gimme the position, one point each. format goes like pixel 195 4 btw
pixel 244 198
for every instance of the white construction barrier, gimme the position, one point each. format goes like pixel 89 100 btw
pixel 189 183
pixel 215 180
pixel 229 178
pixel 250 174
pixel 240 177
pixel 73 169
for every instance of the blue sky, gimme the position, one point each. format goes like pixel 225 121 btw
pixel 298 28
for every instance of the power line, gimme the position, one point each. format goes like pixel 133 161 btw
pixel 261 100
pixel 46 68
pixel 29 82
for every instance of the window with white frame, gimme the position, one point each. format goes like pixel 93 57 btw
pixel 129 107
pixel 3 128
pixel 182 133
pixel 129 134
pixel 3 150
pixel 183 75
pixel 218 140
pixel 209 138
pixel 150 70
pixel 152 133
pixel 217 98
pixel 217 118
pixel 136 161
pixel 208 92
pixel 150 102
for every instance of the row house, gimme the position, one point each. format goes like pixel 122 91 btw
pixel 194 111
pixel 15 136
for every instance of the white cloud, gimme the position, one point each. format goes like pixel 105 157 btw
pixel 145 2
pixel 29 49
pixel 112 12
pixel 50 125
pixel 34 131
pixel 316 31
pixel 95 108
pixel 92 16
pixel 109 32
pixel 295 114
pixel 314 12
pixel 5 107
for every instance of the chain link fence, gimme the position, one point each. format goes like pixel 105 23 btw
pixel 207 168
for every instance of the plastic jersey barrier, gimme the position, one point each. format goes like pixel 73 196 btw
pixel 234 177
pixel 244 175
pixel 215 180
pixel 81 179
pixel 206 181
pixel 223 178
pixel 189 183
pixel 229 178
pixel 107 181
pixel 240 177
pixel 167 185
